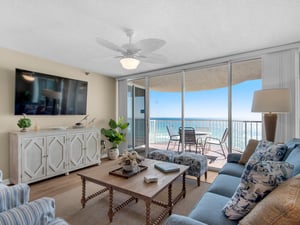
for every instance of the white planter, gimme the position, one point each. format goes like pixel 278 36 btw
pixel 113 153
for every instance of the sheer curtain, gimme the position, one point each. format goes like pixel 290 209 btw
pixel 281 70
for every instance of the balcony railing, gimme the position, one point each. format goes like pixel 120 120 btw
pixel 242 130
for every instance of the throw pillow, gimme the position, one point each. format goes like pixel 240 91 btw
pixel 268 151
pixel 255 184
pixel 250 148
pixel 280 207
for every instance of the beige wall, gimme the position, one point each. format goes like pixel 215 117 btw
pixel 101 97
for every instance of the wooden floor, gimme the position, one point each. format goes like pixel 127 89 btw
pixel 54 186
pixel 63 183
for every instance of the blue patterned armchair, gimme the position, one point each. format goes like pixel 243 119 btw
pixel 15 208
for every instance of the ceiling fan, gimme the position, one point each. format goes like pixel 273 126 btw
pixel 133 53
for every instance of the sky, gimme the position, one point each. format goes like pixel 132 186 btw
pixel 208 103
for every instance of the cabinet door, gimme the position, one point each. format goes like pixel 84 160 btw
pixel 33 158
pixel 92 148
pixel 76 150
pixel 56 154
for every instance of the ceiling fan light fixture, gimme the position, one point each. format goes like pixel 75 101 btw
pixel 28 77
pixel 129 63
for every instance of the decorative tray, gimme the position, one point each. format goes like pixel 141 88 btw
pixel 122 173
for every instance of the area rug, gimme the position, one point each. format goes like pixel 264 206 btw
pixel 68 205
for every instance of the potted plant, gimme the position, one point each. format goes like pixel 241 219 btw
pixel 115 134
pixel 24 123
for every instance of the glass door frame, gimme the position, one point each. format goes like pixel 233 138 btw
pixel 132 122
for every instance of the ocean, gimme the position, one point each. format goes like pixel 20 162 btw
pixel 242 130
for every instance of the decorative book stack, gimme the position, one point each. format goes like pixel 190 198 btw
pixel 166 167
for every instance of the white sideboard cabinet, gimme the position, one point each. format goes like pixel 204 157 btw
pixel 39 155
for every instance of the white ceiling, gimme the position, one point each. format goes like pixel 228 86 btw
pixel 65 31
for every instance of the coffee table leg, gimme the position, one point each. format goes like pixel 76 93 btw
pixel 83 192
pixel 170 203
pixel 148 212
pixel 110 210
pixel 183 185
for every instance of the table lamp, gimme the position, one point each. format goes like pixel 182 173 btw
pixel 270 102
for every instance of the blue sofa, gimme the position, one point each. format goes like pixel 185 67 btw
pixel 209 209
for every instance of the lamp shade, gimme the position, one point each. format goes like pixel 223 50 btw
pixel 129 63
pixel 272 100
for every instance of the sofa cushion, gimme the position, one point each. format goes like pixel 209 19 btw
pixel 257 181
pixel 209 210
pixel 233 157
pixel 233 169
pixel 224 185
pixel 180 220
pixel 293 143
pixel 268 151
pixel 280 207
pixel 294 158
pixel 250 148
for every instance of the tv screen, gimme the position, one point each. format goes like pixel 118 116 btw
pixel 44 94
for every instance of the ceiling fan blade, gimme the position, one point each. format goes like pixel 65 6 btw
pixel 149 45
pixel 153 58
pixel 131 49
pixel 110 45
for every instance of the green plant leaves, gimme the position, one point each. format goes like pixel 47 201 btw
pixel 113 133
pixel 24 123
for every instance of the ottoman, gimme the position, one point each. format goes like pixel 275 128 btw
pixel 197 164
pixel 162 155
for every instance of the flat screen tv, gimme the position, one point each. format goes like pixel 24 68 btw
pixel 44 94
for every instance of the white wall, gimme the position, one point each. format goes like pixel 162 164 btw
pixel 101 97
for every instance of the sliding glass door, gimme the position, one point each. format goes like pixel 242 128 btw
pixel 136 135
pixel 206 106
pixel 211 100
pixel 165 110
pixel 245 124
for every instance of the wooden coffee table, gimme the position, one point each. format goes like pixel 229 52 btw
pixel 135 187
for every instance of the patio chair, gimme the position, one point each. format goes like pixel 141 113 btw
pixel 173 137
pixel 217 141
pixel 190 138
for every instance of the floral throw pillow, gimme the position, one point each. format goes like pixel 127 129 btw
pixel 268 151
pixel 256 182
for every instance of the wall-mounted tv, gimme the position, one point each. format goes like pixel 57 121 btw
pixel 43 94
